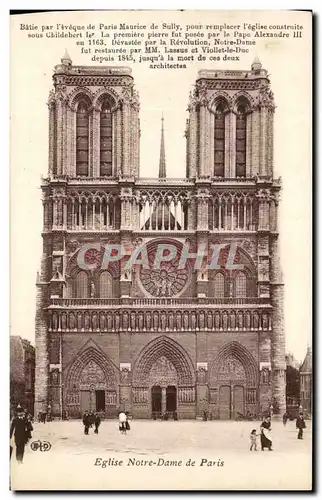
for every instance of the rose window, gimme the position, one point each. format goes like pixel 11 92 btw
pixel 167 281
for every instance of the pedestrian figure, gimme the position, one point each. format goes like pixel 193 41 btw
pixel 86 422
pixel 175 415
pixel 285 417
pixel 205 415
pixel 266 440
pixel 29 427
pixel 43 417
pixel 122 422
pixel 253 440
pixel 91 418
pixel 97 422
pixel 19 428
pixel 300 425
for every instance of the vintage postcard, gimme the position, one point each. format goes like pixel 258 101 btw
pixel 161 250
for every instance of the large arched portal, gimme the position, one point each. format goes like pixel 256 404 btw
pixel 163 381
pixel 90 384
pixel 233 382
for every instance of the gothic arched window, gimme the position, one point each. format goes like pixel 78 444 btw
pixel 241 141
pixel 106 133
pixel 106 285
pixel 82 118
pixel 219 166
pixel 219 285
pixel 241 285
pixel 81 289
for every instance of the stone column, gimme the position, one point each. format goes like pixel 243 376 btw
pixel 270 142
pixel 126 140
pixel 41 331
pixel 249 145
pixel 193 141
pixel 96 143
pixel 51 149
pixel 255 141
pixel 278 337
pixel 117 137
pixel 163 400
pixel 263 142
pixel 232 145
pixel 202 140
pixel 59 135
pixel 227 144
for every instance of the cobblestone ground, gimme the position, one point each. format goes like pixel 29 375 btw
pixel 70 464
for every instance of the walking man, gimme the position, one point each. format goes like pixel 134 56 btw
pixel 300 425
pixel 20 429
pixel 86 422
pixel 97 422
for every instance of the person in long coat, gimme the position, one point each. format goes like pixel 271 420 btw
pixel 266 440
pixel 300 425
pixel 97 422
pixel 86 422
pixel 20 430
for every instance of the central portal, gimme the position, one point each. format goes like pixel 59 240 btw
pixel 171 398
pixel 164 401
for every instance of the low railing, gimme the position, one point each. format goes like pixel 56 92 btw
pixel 157 301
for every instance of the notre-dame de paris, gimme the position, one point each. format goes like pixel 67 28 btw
pixel 171 339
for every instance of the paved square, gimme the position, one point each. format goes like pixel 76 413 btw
pixel 155 455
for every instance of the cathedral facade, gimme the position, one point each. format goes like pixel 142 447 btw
pixel 168 338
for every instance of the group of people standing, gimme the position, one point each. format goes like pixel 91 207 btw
pixel 91 419
pixel 21 428
pixel 265 433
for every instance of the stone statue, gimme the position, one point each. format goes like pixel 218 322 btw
pixel 86 321
pixel 55 377
pixel 217 321
pixel 255 321
pixel 79 320
pixel 141 322
pixel 125 321
pixel 247 321
pixel 155 321
pixel 72 321
pixel 63 321
pixel 201 321
pixel 209 320
pixel 178 321
pixel 109 322
pixel 225 321
pixel 265 321
pixel 185 321
pixel 170 320
pixel 232 321
pixel 55 321
pixel 240 320
pixel 117 322
pixel 148 321
pixel 94 321
pixel 102 321
pixel 133 321
pixel 163 321
pixel 193 321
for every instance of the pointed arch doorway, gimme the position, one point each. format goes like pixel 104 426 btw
pixel 163 381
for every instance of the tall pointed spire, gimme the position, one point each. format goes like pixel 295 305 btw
pixel 162 167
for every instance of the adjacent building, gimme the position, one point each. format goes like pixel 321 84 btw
pixel 169 339
pixel 306 382
pixel 22 374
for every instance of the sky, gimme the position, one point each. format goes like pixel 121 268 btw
pixel 289 65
